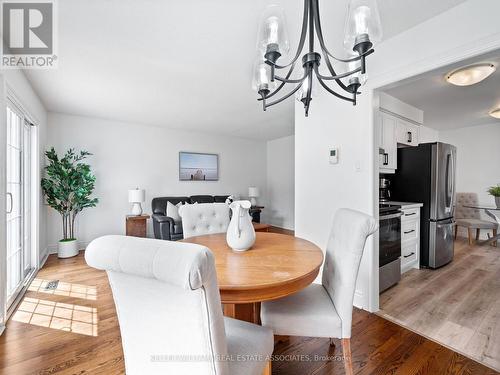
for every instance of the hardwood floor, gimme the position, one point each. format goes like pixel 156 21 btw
pixel 457 305
pixel 38 338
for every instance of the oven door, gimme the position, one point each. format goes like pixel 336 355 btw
pixel 390 238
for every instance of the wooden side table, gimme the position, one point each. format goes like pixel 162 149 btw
pixel 136 226
pixel 261 227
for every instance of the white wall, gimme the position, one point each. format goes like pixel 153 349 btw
pixel 280 183
pixel 16 83
pixel 321 189
pixel 478 159
pixel 131 155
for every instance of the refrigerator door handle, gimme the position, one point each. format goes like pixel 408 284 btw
pixel 453 182
pixel 449 183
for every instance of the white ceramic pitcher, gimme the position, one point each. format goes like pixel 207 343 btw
pixel 240 234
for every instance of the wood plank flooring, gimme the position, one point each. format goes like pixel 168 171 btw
pixel 457 305
pixel 74 330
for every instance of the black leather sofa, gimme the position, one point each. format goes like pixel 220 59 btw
pixel 165 228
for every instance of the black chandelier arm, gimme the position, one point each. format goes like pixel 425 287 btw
pixel 333 92
pixel 305 19
pixel 332 72
pixel 285 80
pixel 338 76
pixel 355 58
pixel 287 95
pixel 281 85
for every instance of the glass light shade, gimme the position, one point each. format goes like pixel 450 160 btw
pixel 272 30
pixel 302 92
pixel 470 75
pixel 262 76
pixel 495 113
pixel 362 18
pixel 352 65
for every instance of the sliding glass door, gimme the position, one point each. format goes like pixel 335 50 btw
pixel 19 193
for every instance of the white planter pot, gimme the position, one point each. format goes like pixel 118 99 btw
pixel 67 249
pixel 497 201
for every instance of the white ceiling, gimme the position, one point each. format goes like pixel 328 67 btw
pixel 448 107
pixel 184 64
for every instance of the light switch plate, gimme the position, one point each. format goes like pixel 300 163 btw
pixel 334 155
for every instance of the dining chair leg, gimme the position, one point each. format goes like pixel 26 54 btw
pixel 456 231
pixel 495 233
pixel 478 232
pixel 267 369
pixel 346 349
pixel 469 235
pixel 332 343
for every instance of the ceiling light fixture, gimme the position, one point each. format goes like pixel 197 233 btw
pixel 495 113
pixel 362 29
pixel 471 74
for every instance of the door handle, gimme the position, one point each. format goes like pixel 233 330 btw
pixel 11 203
pixel 409 255
pixel 410 231
pixel 413 213
pixel 409 137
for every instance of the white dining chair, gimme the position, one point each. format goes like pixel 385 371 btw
pixel 470 218
pixel 169 310
pixel 325 310
pixel 204 218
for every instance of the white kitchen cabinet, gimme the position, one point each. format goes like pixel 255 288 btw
pixel 406 133
pixel 410 236
pixel 387 128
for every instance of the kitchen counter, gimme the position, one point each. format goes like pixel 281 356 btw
pixel 406 205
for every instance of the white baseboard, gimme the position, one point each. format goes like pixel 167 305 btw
pixel 43 258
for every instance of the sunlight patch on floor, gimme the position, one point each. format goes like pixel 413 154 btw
pixel 64 289
pixel 57 315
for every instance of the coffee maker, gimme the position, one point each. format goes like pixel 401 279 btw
pixel 384 189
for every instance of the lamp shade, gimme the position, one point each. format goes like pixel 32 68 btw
pixel 253 191
pixel 136 196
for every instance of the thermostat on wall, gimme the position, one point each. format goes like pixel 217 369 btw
pixel 334 155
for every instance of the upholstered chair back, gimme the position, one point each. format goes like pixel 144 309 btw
pixel 204 218
pixel 467 199
pixel 168 304
pixel 342 260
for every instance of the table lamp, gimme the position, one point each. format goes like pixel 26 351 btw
pixel 136 196
pixel 253 193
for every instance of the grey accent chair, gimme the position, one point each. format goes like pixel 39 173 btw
pixel 169 310
pixel 325 310
pixel 470 218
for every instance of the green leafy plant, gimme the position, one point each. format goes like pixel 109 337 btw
pixel 494 190
pixel 68 187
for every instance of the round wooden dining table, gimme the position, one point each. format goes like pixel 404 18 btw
pixel 277 265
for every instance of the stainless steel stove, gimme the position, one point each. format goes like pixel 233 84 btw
pixel 389 245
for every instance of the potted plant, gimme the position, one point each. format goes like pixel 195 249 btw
pixel 495 191
pixel 68 188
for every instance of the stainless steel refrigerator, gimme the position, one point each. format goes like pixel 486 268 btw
pixel 426 174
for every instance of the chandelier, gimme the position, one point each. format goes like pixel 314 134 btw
pixel 362 29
